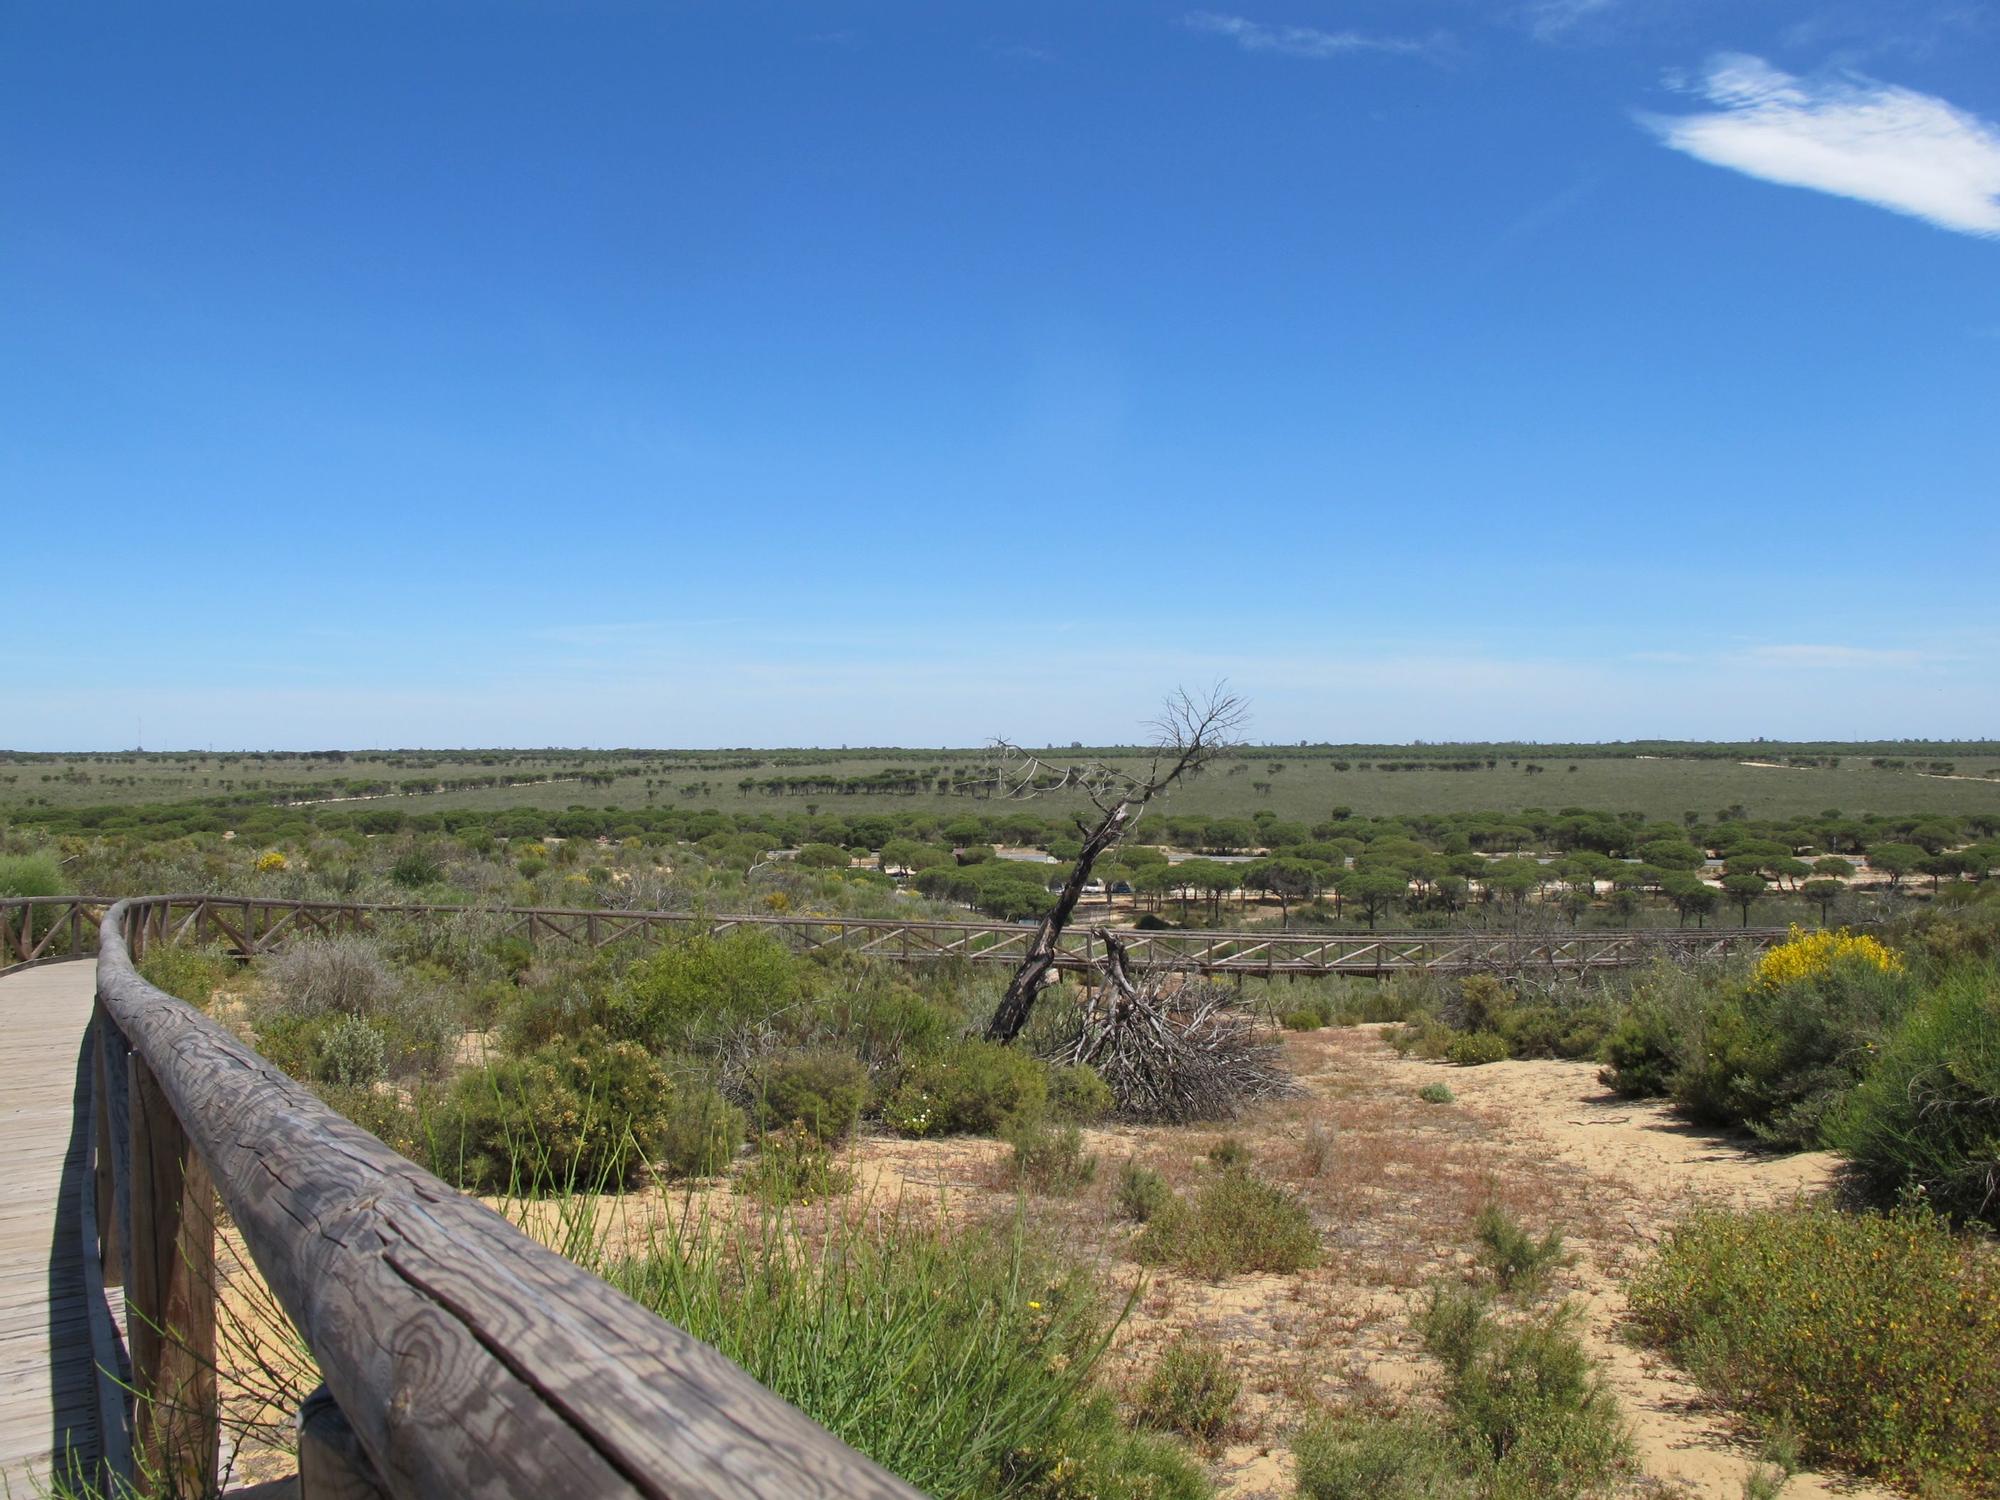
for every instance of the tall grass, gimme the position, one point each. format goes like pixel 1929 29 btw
pixel 963 1361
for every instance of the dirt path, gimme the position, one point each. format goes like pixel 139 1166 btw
pixel 1616 1174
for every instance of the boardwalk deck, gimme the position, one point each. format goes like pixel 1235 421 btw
pixel 47 1380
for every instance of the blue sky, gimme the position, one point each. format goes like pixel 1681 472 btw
pixel 755 373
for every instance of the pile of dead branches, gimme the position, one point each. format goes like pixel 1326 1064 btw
pixel 1172 1057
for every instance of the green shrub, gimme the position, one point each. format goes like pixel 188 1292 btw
pixel 353 1054
pixel 1555 1031
pixel 1235 1223
pixel 1780 1059
pixel 1523 1398
pixel 1050 1160
pixel 693 992
pixel 971 1088
pixel 1361 1457
pixel 1928 1114
pixel 1191 1391
pixel 1526 1417
pixel 793 1166
pixel 585 1115
pixel 1879 1335
pixel 1229 1152
pixel 1519 1261
pixel 188 973
pixel 963 1362
pixel 1077 1093
pixel 820 1091
pixel 31 875
pixel 1142 1192
pixel 416 867
pixel 1437 1093
pixel 1640 1058
pixel 1305 1019
pixel 700 1131
pixel 1475 1049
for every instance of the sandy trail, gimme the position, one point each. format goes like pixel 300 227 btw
pixel 1639 1168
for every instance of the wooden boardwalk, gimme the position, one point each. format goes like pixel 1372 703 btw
pixel 47 1378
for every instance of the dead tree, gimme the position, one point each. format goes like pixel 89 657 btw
pixel 1176 1057
pixel 1187 735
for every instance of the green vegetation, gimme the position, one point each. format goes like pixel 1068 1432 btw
pixel 963 1362
pixel 1191 1391
pixel 1525 1417
pixel 1519 1262
pixel 1234 1223
pixel 1876 1335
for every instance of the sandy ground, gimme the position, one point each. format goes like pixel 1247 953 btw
pixel 1394 1184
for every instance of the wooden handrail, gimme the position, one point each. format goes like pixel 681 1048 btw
pixel 40 929
pixel 465 1358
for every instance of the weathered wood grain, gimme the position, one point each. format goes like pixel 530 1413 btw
pixel 48 1385
pixel 170 1296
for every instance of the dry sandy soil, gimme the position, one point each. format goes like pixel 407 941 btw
pixel 1395 1184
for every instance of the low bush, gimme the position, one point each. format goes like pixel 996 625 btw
pixel 1234 1223
pixel 584 1114
pixel 341 975
pixel 792 1167
pixel 1523 1398
pixel 693 992
pixel 819 1091
pixel 1142 1192
pixel 1191 1390
pixel 1360 1457
pixel 1640 1056
pixel 1437 1093
pixel 1050 1159
pixel 31 875
pixel 1878 1335
pixel 700 1132
pixel 1305 1019
pixel 1928 1114
pixel 1779 1058
pixel 352 1054
pixel 1555 1030
pixel 1519 1261
pixel 1077 1093
pixel 188 973
pixel 1526 1417
pixel 1229 1152
pixel 963 1362
pixel 1474 1049
pixel 970 1088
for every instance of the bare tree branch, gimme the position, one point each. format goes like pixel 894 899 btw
pixel 1188 734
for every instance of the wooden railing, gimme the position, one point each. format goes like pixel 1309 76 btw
pixel 458 1356
pixel 33 931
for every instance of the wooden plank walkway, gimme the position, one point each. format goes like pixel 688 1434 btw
pixel 47 1379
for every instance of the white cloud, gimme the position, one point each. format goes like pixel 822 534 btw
pixel 1553 19
pixel 1901 150
pixel 1299 41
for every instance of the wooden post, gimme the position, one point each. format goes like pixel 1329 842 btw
pixel 170 1299
pixel 110 1126
pixel 332 1463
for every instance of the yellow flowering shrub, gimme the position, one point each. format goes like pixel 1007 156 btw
pixel 1813 955
pixel 270 861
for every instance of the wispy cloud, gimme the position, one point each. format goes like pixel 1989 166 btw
pixel 1908 152
pixel 1302 41
pixel 1812 654
pixel 1551 20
